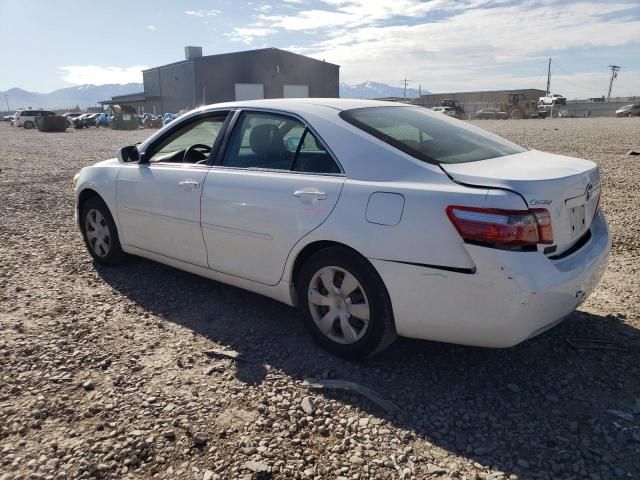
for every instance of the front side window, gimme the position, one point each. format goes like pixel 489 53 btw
pixel 428 136
pixel 276 142
pixel 190 144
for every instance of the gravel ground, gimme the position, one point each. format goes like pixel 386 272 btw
pixel 103 375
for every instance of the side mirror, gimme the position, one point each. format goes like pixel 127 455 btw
pixel 129 154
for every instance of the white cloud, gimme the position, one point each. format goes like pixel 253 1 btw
pixel 264 8
pixel 248 34
pixel 152 28
pixel 203 13
pixel 469 49
pixel 92 74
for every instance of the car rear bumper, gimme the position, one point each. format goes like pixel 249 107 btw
pixel 511 297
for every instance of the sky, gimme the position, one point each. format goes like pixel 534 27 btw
pixel 440 45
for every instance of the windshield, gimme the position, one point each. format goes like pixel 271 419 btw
pixel 428 136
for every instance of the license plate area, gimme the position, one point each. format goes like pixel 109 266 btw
pixel 577 220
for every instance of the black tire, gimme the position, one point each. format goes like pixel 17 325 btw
pixel 28 125
pixel 381 330
pixel 114 254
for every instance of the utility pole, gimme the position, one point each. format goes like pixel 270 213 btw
pixel 404 94
pixel 7 102
pixel 614 74
pixel 549 78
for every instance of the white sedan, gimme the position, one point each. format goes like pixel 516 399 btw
pixel 375 219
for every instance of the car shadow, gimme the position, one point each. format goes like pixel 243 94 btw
pixel 542 409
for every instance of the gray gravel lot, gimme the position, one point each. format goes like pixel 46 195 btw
pixel 102 371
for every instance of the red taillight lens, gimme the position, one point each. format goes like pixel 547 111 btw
pixel 503 227
pixel 543 219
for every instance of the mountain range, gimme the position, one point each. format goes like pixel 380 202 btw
pixel 89 95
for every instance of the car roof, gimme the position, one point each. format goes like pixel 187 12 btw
pixel 302 105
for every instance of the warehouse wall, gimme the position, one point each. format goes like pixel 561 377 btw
pixel 174 84
pixel 216 76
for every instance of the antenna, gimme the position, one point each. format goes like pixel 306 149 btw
pixel 614 74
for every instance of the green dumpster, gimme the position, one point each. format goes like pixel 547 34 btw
pixel 123 117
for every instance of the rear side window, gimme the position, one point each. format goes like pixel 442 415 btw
pixel 276 142
pixel 429 136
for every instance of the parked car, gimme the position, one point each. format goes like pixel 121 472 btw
pixel 491 114
pixel 376 219
pixel 553 99
pixel 27 118
pixel 7 118
pixel 85 120
pixel 80 121
pixel 70 116
pixel 448 111
pixel 629 110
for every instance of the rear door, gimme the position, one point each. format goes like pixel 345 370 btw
pixel 276 182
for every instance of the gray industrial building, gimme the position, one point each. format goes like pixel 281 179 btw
pixel 201 80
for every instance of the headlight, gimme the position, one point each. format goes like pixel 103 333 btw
pixel 75 179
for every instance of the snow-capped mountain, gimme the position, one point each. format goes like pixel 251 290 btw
pixel 89 95
pixel 376 90
pixel 82 95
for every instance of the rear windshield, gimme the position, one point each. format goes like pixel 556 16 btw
pixel 428 136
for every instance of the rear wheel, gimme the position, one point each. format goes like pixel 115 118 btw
pixel 100 233
pixel 516 113
pixel 346 305
pixel 28 125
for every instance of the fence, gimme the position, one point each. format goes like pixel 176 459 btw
pixel 593 109
pixel 573 108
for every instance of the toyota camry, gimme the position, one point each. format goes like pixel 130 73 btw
pixel 375 219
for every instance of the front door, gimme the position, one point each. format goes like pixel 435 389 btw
pixel 276 183
pixel 158 201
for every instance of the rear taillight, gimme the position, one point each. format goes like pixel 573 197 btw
pixel 502 227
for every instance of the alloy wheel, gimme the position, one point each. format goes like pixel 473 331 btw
pixel 339 305
pixel 97 232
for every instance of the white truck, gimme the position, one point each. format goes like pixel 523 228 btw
pixel 552 99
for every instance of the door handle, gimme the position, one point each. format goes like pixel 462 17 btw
pixel 310 194
pixel 189 184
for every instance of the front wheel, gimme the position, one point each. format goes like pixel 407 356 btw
pixel 100 233
pixel 346 305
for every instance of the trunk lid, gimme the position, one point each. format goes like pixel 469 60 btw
pixel 568 187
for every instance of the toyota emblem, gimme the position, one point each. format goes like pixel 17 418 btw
pixel 588 192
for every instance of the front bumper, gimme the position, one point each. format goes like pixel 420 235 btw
pixel 512 296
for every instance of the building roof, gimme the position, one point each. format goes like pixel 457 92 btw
pixel 131 97
pixel 220 55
